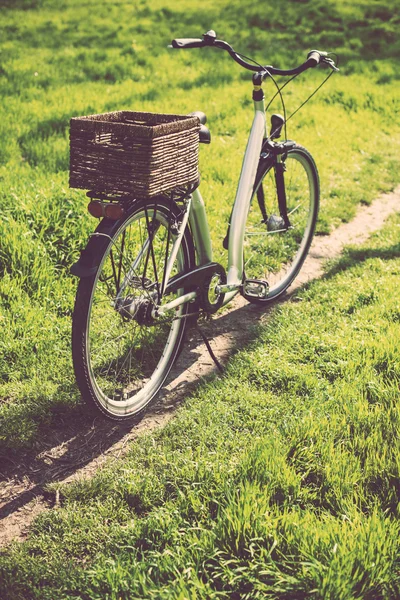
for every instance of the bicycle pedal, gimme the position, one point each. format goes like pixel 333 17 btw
pixel 255 288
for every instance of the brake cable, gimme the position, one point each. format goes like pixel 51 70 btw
pixel 280 88
pixel 313 94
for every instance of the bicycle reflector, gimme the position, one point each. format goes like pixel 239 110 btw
pixel 110 210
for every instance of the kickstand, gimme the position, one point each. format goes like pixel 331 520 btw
pixel 207 343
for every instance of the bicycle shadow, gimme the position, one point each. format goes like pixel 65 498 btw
pixel 354 256
pixel 77 442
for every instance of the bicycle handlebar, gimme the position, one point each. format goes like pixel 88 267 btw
pixel 187 43
pixel 209 39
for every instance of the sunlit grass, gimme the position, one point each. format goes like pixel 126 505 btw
pixel 61 60
pixel 279 479
pixel 287 486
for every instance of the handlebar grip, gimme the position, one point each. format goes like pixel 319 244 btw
pixel 313 58
pixel 187 43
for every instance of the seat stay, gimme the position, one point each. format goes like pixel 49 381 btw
pixel 132 270
pixel 175 247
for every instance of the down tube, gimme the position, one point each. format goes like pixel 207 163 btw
pixel 242 200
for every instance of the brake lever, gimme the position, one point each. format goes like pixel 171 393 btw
pixel 209 38
pixel 330 63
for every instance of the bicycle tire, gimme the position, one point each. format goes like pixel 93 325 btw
pixel 121 362
pixel 272 252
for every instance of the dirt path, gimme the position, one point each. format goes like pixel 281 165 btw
pixel 78 449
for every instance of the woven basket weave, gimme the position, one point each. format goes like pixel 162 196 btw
pixel 135 153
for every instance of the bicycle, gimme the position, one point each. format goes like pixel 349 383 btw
pixel 145 274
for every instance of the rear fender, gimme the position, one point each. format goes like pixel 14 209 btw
pixel 90 257
pixel 89 260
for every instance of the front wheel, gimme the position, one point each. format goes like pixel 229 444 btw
pixel 276 244
pixel 121 352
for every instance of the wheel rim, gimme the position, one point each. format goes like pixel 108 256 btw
pixel 127 360
pixel 271 252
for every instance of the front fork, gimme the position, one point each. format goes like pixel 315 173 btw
pixel 279 170
pixel 276 153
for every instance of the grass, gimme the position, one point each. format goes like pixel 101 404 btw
pixel 62 59
pixel 279 479
pixel 288 487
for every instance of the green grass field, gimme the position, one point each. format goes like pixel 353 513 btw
pixel 62 59
pixel 289 487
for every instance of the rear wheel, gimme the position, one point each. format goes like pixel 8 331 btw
pixel 121 352
pixel 274 251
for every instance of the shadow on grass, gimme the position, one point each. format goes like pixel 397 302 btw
pixel 73 438
pixel 76 436
pixel 354 256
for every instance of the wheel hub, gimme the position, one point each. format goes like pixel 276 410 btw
pixel 137 308
pixel 276 223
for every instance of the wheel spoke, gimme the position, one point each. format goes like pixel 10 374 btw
pixel 124 360
pixel 273 252
pixel 120 261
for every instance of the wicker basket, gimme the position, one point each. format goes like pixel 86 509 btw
pixel 134 153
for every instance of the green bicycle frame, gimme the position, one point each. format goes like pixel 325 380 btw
pixel 199 223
